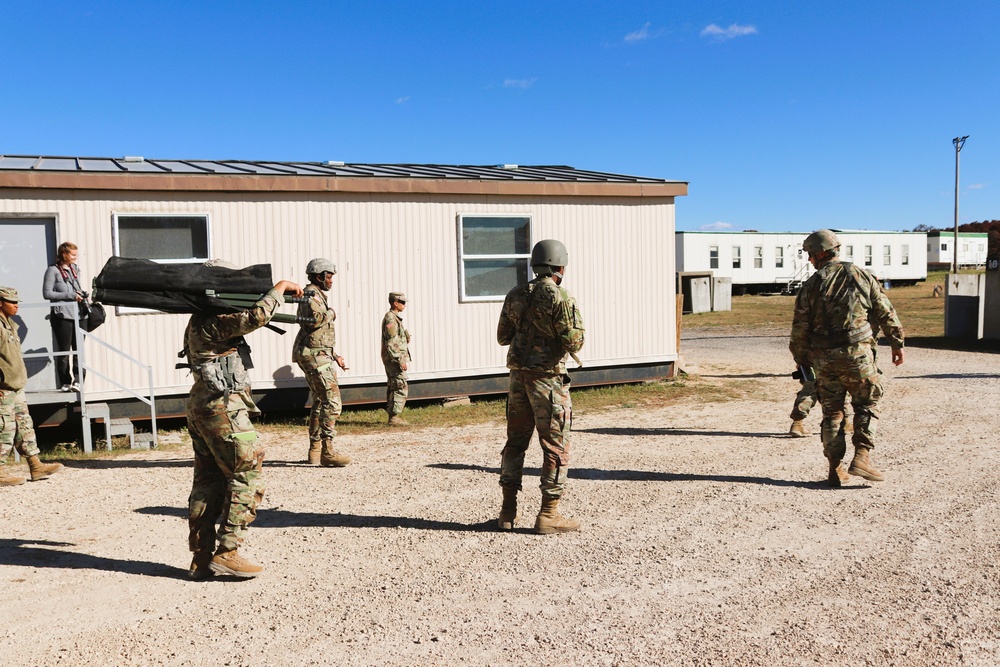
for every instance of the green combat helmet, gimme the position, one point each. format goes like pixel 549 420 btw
pixel 820 241
pixel 319 265
pixel 550 253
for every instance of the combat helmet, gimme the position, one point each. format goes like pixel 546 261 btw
pixel 820 241
pixel 550 253
pixel 319 265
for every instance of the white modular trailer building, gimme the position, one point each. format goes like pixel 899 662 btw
pixel 775 261
pixel 455 239
pixel 972 247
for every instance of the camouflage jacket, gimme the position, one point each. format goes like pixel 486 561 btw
pixel 211 342
pixel 13 374
pixel 395 339
pixel 835 308
pixel 321 335
pixel 542 325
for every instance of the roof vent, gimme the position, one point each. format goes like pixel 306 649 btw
pixel 133 158
pixel 334 163
pixel 508 167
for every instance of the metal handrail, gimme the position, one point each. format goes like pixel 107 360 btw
pixel 82 336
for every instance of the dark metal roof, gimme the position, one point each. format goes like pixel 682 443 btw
pixel 509 173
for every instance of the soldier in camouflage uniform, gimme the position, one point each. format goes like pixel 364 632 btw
pixel 16 428
pixel 228 458
pixel 831 332
pixel 542 325
pixel 313 352
pixel 395 358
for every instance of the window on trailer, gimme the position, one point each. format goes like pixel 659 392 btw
pixel 886 255
pixel 713 256
pixel 849 252
pixel 494 254
pixel 162 238
pixel 779 257
pixel 758 257
pixel 905 258
pixel 868 255
pixel 736 257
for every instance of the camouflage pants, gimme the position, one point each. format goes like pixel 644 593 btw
pixel 228 480
pixel 397 389
pixel 325 393
pixel 16 429
pixel 839 372
pixel 537 402
pixel 804 401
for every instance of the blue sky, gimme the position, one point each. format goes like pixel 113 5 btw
pixel 782 116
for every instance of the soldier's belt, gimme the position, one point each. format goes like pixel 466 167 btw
pixel 841 339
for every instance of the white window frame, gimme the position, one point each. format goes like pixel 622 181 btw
pixel 463 257
pixel 116 218
pixel 758 257
pixel 737 257
pixel 713 256
pixel 779 257
pixel 868 255
pixel 887 255
pixel 905 257
pixel 849 252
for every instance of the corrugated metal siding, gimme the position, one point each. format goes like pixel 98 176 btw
pixel 621 272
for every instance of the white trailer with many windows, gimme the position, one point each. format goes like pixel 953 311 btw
pixel 454 238
pixel 774 261
pixel 972 248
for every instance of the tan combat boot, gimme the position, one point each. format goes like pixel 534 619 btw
pixel 396 420
pixel 508 511
pixel 838 476
pixel 41 470
pixel 315 450
pixel 201 566
pixel 9 480
pixel 798 429
pixel 330 458
pixel 235 565
pixel 550 521
pixel 862 466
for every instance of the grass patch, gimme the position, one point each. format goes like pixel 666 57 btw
pixel 921 313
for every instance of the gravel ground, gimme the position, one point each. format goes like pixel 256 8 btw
pixel 708 538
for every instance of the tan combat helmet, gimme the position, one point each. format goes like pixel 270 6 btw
pixel 319 265
pixel 821 241
pixel 548 255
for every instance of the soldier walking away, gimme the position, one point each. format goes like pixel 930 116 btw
pixel 16 428
pixel 313 351
pixel 228 458
pixel 395 358
pixel 542 325
pixel 832 333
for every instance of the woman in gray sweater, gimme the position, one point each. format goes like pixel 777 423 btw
pixel 63 287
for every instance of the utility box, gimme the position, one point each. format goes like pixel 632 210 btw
pixel 697 290
pixel 963 305
pixel 722 294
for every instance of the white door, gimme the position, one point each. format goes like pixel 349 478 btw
pixel 27 247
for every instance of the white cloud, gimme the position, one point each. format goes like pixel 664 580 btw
pixel 735 30
pixel 402 100
pixel 639 35
pixel 715 227
pixel 976 186
pixel 519 83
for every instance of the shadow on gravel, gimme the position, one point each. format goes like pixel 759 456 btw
pixel 957 344
pixel 279 518
pixel 947 376
pixel 674 431
pixel 647 476
pixel 748 375
pixel 33 553
pixel 107 464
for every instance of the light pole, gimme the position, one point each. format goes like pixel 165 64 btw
pixel 959 142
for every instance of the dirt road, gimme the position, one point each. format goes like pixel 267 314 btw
pixel 708 539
